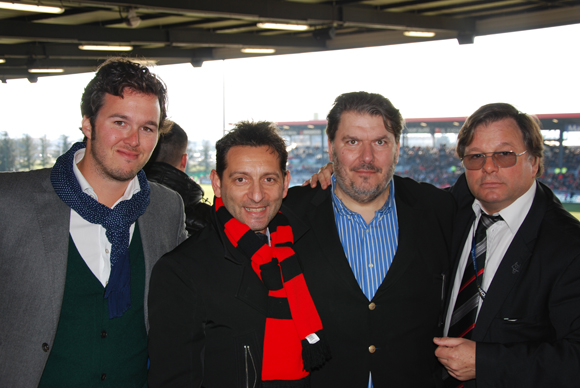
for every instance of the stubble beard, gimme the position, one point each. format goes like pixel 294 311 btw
pixel 360 193
pixel 116 174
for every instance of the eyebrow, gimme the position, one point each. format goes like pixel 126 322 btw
pixel 504 144
pixel 125 117
pixel 276 173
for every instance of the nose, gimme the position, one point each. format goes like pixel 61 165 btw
pixel 367 154
pixel 490 166
pixel 256 192
pixel 132 137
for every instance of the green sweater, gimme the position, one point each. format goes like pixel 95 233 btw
pixel 91 350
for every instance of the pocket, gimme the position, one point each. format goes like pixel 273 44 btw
pixel 248 350
pixel 250 368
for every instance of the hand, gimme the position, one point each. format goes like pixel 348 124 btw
pixel 323 176
pixel 457 355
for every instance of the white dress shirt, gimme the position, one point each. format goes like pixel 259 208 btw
pixel 90 239
pixel 499 238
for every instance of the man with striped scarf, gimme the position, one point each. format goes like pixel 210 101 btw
pixel 230 306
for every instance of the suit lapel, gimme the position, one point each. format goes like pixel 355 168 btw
pixel 321 217
pixel 513 265
pixel 408 250
pixel 54 224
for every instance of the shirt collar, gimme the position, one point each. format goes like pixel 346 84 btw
pixel 343 210
pixel 515 213
pixel 132 188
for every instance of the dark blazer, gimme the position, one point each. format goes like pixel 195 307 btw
pixel 34 236
pixel 207 311
pixel 528 328
pixel 406 312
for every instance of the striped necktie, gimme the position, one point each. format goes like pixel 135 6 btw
pixel 465 310
pixel 466 305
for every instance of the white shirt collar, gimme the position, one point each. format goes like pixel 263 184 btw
pixel 515 213
pixel 132 188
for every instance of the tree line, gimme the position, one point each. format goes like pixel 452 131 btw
pixel 28 153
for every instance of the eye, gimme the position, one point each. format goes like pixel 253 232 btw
pixel 119 123
pixel 239 180
pixel 352 142
pixel 475 156
pixel 147 129
pixel 504 153
pixel 381 142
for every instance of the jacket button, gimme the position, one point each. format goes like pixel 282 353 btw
pixel 45 347
pixel 372 349
pixel 104 334
pixel 372 306
pixel 103 376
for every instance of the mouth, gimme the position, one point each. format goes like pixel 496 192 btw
pixel 255 209
pixel 129 155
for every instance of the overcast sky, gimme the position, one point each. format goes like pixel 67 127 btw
pixel 537 71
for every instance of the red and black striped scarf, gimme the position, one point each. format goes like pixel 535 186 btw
pixel 293 342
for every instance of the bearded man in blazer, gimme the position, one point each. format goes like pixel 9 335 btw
pixel 78 242
pixel 525 327
pixel 376 253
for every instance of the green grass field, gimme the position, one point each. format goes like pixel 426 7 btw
pixel 573 208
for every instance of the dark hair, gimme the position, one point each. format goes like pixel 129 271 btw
pixel 171 145
pixel 491 113
pixel 112 77
pixel 253 134
pixel 365 103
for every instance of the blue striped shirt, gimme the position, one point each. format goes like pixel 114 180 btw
pixel 370 249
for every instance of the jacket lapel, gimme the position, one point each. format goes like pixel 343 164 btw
pixel 513 265
pixel 321 217
pixel 54 224
pixel 408 250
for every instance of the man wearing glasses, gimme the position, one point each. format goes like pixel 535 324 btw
pixel 514 310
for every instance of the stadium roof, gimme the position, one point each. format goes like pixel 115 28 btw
pixel 182 31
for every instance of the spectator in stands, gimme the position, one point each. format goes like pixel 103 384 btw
pixel 78 242
pixel 167 167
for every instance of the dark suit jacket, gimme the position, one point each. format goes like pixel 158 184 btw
pixel 528 328
pixel 207 310
pixel 406 312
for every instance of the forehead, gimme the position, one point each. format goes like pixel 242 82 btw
pixel 504 132
pixel 352 123
pixel 246 159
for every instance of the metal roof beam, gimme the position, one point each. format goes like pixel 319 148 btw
pixel 93 34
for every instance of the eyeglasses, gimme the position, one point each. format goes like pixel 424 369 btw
pixel 503 159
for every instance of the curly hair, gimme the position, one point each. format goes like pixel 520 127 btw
pixel 112 77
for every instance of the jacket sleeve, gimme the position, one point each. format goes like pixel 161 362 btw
pixel 176 335
pixel 547 362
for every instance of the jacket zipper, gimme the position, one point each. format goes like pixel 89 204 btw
pixel 246 353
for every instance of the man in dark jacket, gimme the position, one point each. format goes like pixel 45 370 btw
pixel 221 313
pixel 167 167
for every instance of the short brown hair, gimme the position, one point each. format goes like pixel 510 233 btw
pixel 490 113
pixel 252 134
pixel 112 77
pixel 373 104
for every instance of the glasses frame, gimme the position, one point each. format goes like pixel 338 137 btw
pixel 493 158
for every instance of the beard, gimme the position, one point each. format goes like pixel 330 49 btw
pixel 364 192
pixel 103 164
